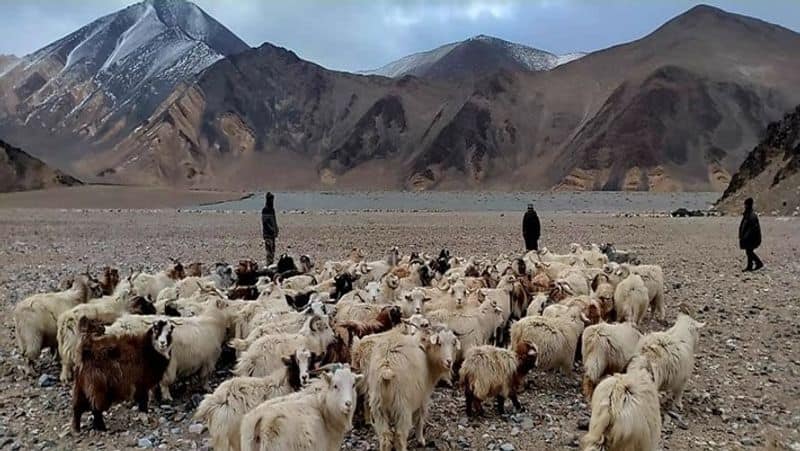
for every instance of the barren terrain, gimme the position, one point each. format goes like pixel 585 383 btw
pixel 745 392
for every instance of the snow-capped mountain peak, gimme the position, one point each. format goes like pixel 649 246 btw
pixel 478 53
pixel 132 58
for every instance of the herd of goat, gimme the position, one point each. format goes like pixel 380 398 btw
pixel 319 346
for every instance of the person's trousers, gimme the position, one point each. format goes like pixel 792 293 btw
pixel 752 258
pixel 269 247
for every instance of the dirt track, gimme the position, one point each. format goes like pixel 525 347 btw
pixel 745 391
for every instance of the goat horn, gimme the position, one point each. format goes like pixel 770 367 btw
pixel 457 334
pixel 328 367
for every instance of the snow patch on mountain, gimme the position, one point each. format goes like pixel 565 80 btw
pixel 569 57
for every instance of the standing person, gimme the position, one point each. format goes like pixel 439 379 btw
pixel 269 227
pixel 750 236
pixel 531 229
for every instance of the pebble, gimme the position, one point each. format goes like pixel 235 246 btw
pixel 46 380
pixel 506 447
pixel 144 443
pixel 196 428
pixel 526 423
pixel 747 441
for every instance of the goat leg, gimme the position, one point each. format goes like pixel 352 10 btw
pixel 142 399
pixel 514 400
pixel 500 402
pixel 97 420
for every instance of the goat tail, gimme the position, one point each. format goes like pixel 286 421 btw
pixel 594 440
pixel 204 410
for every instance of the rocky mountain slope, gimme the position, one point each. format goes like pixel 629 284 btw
pixel 267 116
pixel 110 75
pixel 771 172
pixel 20 171
pixel 475 57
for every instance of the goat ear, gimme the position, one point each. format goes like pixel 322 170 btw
pixel 359 378
pixel 434 339
pixel 286 360
pixel 326 377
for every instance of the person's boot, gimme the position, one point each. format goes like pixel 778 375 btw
pixel 759 265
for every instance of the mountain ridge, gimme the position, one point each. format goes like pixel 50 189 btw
pixel 682 115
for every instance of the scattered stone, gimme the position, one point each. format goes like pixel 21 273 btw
pixel 506 447
pixel 46 380
pixel 196 428
pixel 144 443
pixel 747 441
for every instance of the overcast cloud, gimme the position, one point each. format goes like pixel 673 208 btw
pixel 364 34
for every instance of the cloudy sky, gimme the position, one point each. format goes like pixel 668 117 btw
pixel 363 34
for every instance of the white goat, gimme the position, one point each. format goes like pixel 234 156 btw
pixel 316 421
pixel 669 356
pixel 36 319
pixel 625 414
pixel 224 409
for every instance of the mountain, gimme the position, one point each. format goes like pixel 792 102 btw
pixel 111 74
pixel 7 61
pixel 20 171
pixel 474 57
pixel 265 116
pixel 771 172
pixel 676 110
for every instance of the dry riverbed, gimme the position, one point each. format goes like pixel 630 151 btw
pixel 745 392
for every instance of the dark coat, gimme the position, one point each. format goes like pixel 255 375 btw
pixel 531 229
pixel 749 230
pixel 269 224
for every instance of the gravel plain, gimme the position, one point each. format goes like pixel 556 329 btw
pixel 745 392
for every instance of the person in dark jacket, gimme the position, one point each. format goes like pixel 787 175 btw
pixel 269 227
pixel 531 229
pixel 750 236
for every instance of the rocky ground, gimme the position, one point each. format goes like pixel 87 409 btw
pixel 745 392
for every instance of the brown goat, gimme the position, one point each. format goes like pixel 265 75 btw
pixel 114 369
pixel 244 292
pixel 176 271
pixel 540 283
pixel 194 269
pixel 109 281
pixel 387 318
pixel 338 351
pixel 246 272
